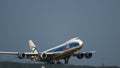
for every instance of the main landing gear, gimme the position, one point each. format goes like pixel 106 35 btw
pixel 54 62
pixel 59 62
pixel 66 60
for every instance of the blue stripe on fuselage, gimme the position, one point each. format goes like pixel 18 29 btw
pixel 67 46
pixel 35 49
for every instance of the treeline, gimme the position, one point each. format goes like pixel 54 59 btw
pixel 38 65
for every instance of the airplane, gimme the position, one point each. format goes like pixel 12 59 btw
pixel 55 54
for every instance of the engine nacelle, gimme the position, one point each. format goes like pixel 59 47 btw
pixel 88 55
pixel 80 55
pixel 21 55
pixel 43 56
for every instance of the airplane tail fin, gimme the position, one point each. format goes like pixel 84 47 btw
pixel 32 47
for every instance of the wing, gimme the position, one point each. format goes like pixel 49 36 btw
pixel 21 55
pixel 89 52
pixel 12 53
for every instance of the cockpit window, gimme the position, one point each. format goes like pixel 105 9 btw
pixel 73 44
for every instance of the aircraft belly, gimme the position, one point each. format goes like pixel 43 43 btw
pixel 66 52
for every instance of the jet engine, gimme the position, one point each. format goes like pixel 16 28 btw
pixel 88 55
pixel 80 55
pixel 43 56
pixel 21 55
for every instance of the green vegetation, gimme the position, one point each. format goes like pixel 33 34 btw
pixel 38 65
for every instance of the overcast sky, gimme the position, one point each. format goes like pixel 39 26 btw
pixel 50 23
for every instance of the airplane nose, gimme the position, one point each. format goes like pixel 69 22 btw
pixel 81 42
